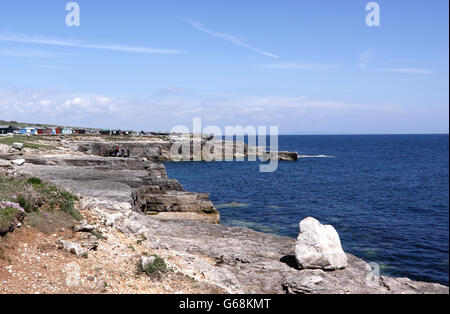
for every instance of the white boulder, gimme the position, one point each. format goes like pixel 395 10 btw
pixel 319 247
pixel 18 162
pixel 18 146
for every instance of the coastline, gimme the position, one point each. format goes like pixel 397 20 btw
pixel 234 259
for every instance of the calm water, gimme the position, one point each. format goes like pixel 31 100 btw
pixel 386 195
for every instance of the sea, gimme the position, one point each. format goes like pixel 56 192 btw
pixel 386 195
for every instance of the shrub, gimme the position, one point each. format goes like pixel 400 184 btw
pixel 68 206
pixel 34 181
pixel 10 215
pixel 27 203
pixel 157 267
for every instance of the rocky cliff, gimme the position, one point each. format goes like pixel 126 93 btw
pixel 201 150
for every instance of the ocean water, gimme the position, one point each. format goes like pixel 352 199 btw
pixel 386 195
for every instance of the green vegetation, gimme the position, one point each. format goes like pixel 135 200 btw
pixel 141 240
pixel 28 141
pixel 35 181
pixel 98 234
pixel 9 217
pixel 158 266
pixel 38 197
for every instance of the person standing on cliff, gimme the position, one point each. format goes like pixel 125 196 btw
pixel 128 153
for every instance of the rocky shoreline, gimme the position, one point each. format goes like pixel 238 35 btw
pixel 135 197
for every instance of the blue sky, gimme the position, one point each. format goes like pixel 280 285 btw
pixel 305 66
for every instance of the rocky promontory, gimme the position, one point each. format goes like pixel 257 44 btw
pixel 135 197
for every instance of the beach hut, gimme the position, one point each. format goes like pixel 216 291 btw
pixel 80 131
pixel 5 129
pixel 67 131
pixel 47 131
pixel 105 132
pixel 56 130
pixel 30 130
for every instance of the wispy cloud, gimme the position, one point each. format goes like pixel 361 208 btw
pixel 37 39
pixel 300 66
pixel 230 38
pixel 406 70
pixel 364 58
pixel 27 53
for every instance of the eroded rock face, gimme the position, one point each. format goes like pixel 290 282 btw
pixel 319 247
pixel 142 184
pixel 198 150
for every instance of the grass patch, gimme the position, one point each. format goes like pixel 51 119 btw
pixel 34 181
pixel 49 222
pixel 39 199
pixel 28 142
pixel 9 218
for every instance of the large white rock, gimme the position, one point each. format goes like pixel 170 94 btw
pixel 18 162
pixel 319 247
pixel 18 146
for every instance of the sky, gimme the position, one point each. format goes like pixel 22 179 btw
pixel 308 67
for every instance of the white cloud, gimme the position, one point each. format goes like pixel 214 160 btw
pixel 89 110
pixel 37 39
pixel 230 38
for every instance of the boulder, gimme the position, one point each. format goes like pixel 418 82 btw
pixel 18 162
pixel 319 247
pixel 83 226
pixel 18 146
pixel 71 247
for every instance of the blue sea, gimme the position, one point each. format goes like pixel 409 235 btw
pixel 386 195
